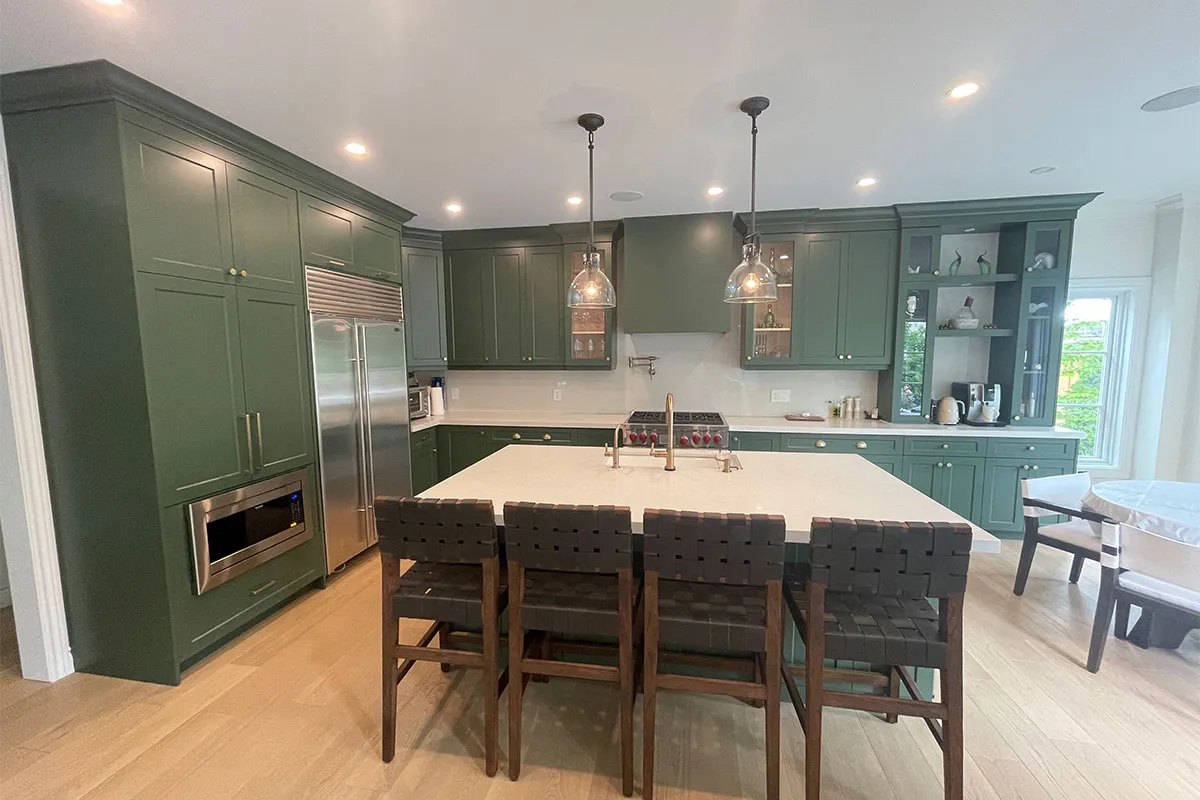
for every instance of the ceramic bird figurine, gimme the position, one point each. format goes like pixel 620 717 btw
pixel 985 266
pixel 955 264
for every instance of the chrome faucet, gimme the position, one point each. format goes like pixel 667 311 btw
pixel 670 467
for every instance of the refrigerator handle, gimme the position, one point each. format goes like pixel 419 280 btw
pixel 360 406
pixel 368 444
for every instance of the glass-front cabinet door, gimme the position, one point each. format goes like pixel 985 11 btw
pixel 915 367
pixel 590 332
pixel 1038 352
pixel 1046 245
pixel 768 325
pixel 920 253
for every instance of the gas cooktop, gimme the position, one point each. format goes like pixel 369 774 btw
pixel 692 428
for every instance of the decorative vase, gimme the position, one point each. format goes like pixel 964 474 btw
pixel 985 266
pixel 769 318
pixel 965 319
pixel 952 269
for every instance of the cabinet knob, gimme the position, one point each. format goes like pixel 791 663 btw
pixel 1035 467
pixel 841 358
pixel 337 263
pixel 1017 418
pixel 861 445
pixel 945 446
pixel 1030 448
pixel 516 436
pixel 1029 269
pixel 948 464
pixel 546 437
pixel 444 358
pixel 849 356
pixel 820 442
pixel 747 358
pixel 243 273
pixel 1025 467
pixel 937 272
pixel 232 271
pixel 940 464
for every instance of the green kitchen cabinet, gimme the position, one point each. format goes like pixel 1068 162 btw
pixel 376 249
pixel 197 400
pixel 470 306
pixel 763 442
pixel 891 464
pixel 1029 361
pixel 594 437
pixel 265 218
pixel 590 332
pixel 818 301
pixel 955 482
pixel 459 447
pixel 178 203
pixel 920 253
pixel 326 234
pixel 274 349
pixel 1000 508
pixel 503 318
pixel 868 299
pixel 424 281
pixel 543 304
pixel 424 459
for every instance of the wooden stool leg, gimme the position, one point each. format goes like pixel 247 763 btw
pixel 625 663
pixel 1076 568
pixel 516 683
pixel 445 643
pixel 391 637
pixel 491 670
pixel 772 668
pixel 545 652
pixel 649 682
pixel 952 696
pixel 893 691
pixel 814 686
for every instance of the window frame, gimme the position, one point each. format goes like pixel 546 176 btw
pixel 1118 395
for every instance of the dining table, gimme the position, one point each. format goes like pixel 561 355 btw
pixel 1166 508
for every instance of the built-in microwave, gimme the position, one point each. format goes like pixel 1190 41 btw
pixel 236 531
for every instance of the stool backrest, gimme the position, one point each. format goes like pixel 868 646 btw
pixel 1065 491
pixel 745 549
pixel 1169 560
pixel 894 559
pixel 442 531
pixel 568 538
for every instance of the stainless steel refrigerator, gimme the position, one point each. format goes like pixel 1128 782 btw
pixel 361 388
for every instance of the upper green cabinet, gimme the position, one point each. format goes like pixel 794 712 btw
pixel 470 307
pixel 339 238
pixel 424 280
pixel 266 232
pixel 504 316
pixel 376 250
pixel 590 332
pixel 543 305
pixel 920 252
pixel 835 307
pixel 178 203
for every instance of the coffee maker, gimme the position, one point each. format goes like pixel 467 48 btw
pixel 982 401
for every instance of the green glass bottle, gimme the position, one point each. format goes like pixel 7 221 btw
pixel 769 318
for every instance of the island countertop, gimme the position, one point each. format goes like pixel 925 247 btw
pixel 797 486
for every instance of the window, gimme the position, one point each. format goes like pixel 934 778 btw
pixel 1094 375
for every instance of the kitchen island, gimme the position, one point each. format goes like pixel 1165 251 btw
pixel 797 486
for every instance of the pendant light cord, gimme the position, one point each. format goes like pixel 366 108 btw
pixel 591 195
pixel 753 178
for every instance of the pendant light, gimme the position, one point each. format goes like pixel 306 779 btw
pixel 752 281
pixel 591 288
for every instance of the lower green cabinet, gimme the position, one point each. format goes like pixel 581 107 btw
pixel 423 452
pixel 1000 508
pixel 763 442
pixel 459 448
pixel 956 483
pixel 889 463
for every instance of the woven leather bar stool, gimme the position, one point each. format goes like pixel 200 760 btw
pixel 456 580
pixel 713 582
pixel 570 571
pixel 865 600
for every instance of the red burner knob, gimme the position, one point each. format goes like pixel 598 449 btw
pixel 632 436
pixel 654 437
pixel 695 438
pixel 707 438
pixel 683 440
pixel 717 438
pixel 642 436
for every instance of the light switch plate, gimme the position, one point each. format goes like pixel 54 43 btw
pixel 781 395
pixel 453 392
pixel 558 395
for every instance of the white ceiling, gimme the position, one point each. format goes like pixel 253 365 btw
pixel 475 101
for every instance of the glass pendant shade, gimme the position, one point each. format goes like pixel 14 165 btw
pixel 751 281
pixel 591 288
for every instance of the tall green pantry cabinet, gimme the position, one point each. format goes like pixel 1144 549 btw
pixel 163 261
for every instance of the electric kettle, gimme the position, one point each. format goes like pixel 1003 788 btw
pixel 947 411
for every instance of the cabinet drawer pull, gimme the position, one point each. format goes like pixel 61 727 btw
pixel 820 442
pixel 262 588
pixel 945 446
pixel 1030 448
pixel 249 443
pixel 861 445
pixel 232 271
pixel 546 437
pixel 337 263
pixel 243 273
pixel 516 436
pixel 262 461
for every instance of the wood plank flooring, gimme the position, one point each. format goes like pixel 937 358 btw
pixel 291 710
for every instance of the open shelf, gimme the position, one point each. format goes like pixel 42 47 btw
pixel 960 280
pixel 982 333
pixel 771 330
pixel 587 333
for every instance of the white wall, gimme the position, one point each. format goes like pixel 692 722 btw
pixel 1113 240
pixel 5 593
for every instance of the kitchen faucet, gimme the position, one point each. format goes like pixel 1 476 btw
pixel 670 467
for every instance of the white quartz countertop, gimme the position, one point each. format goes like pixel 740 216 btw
pixel 798 486
pixel 862 427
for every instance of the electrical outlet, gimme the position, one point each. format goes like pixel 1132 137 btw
pixel 781 395
pixel 453 392
pixel 557 395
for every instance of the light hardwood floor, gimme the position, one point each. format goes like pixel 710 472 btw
pixel 291 710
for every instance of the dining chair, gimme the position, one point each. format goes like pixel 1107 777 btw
pixel 455 581
pixel 570 572
pixel 1055 496
pixel 1145 569
pixel 867 599
pixel 713 582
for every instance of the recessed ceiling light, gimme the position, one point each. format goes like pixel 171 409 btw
pixel 1179 98
pixel 628 196
pixel 453 208
pixel 356 148
pixel 715 191
pixel 863 183
pixel 784 257
pixel 1042 170
pixel 963 90
pixel 575 200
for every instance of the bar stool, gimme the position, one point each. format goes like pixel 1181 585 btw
pixel 570 571
pixel 865 600
pixel 713 582
pixel 456 580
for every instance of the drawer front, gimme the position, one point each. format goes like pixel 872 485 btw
pixel 503 436
pixel 762 442
pixel 425 438
pixel 593 437
pixel 863 445
pixel 944 445
pixel 1032 448
pixel 889 463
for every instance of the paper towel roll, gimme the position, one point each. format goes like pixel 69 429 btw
pixel 437 401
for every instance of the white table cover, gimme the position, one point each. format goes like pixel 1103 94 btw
pixel 1168 508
